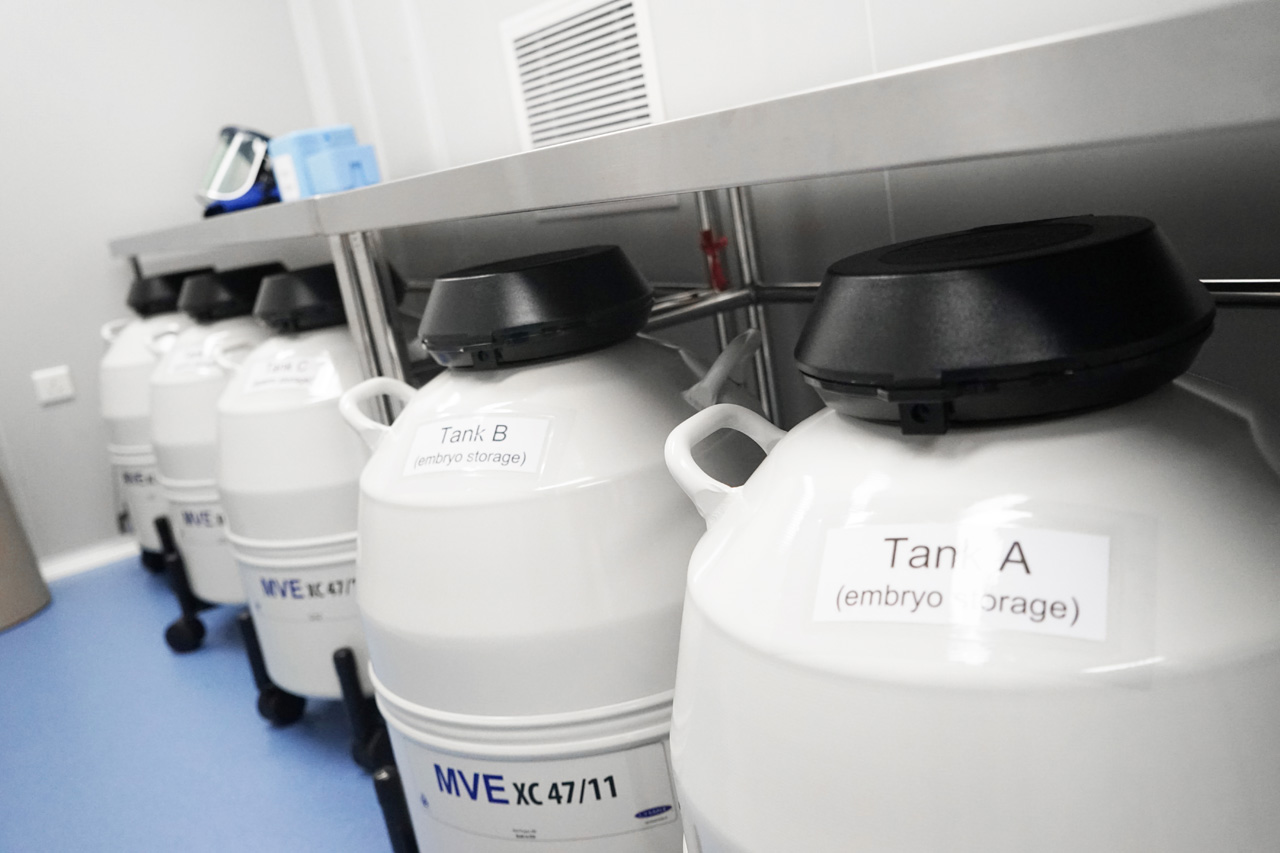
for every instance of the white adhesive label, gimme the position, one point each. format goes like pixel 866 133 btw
pixel 200 525
pixel 1008 578
pixel 146 502
pixel 297 372
pixel 479 443
pixel 565 800
pixel 189 359
pixel 286 174
pixel 316 594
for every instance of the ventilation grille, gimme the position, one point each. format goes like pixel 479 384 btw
pixel 580 70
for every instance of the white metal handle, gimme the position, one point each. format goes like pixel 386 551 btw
pixel 112 329
pixel 706 492
pixel 349 405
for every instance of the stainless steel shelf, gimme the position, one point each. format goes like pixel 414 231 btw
pixel 1214 70
pixel 260 224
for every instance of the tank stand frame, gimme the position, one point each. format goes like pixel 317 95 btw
pixel 275 704
pixel 395 809
pixel 186 634
pixel 370 744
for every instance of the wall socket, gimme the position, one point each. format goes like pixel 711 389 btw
pixel 53 384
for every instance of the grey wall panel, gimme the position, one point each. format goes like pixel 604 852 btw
pixel 1216 196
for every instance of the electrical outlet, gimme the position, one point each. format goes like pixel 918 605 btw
pixel 53 384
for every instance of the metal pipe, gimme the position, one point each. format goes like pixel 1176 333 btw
pixel 357 315
pixel 706 222
pixel 701 306
pixel 374 281
pixel 745 242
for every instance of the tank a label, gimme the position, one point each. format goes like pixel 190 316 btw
pixel 479 443
pixel 565 800
pixel 1007 578
pixel 317 594
pixel 281 373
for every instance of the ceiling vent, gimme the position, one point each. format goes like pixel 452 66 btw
pixel 581 69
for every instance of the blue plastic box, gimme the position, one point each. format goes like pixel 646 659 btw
pixel 321 160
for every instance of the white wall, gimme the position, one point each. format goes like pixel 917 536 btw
pixel 110 111
pixel 427 79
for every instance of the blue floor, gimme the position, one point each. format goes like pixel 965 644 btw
pixel 109 741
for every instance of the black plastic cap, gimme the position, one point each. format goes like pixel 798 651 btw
pixel 535 307
pixel 158 294
pixel 213 296
pixel 301 300
pixel 1009 321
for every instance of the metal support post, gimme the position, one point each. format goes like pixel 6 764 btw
pixel 708 225
pixel 344 263
pixel 374 278
pixel 744 240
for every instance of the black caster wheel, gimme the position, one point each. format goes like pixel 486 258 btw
pixel 153 561
pixel 280 707
pixel 185 635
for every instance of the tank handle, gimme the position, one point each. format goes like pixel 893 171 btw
pixel 706 492
pixel 168 330
pixel 112 329
pixel 349 405
pixel 220 350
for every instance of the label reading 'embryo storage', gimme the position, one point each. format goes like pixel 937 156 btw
pixel 298 372
pixel 479 443
pixel 1019 579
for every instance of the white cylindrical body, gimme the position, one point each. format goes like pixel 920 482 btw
pixel 522 564
pixel 124 379
pixel 1110 683
pixel 288 477
pixel 185 388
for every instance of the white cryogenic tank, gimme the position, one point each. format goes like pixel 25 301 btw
pixel 288 477
pixel 185 388
pixel 522 561
pixel 1013 590
pixel 124 377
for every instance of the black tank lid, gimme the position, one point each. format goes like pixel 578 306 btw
pixel 535 307
pixel 158 294
pixel 301 300
pixel 1008 321
pixel 218 295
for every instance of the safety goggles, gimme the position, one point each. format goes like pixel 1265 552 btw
pixel 236 165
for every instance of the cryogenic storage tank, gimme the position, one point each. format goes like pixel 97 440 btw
pixel 522 561
pixel 1014 589
pixel 185 388
pixel 288 477
pixel 124 377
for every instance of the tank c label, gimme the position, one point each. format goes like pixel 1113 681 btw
pixel 564 800
pixel 317 594
pixel 296 372
pixel 1007 578
pixel 479 443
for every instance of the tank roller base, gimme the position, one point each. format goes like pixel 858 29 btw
pixel 370 744
pixel 187 633
pixel 277 706
pixel 153 561
pixel 395 809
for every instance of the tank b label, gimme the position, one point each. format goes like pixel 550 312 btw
pixel 1017 579
pixel 298 372
pixel 316 594
pixel 479 443
pixel 566 800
